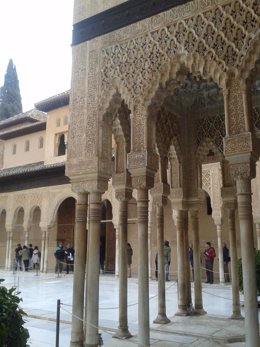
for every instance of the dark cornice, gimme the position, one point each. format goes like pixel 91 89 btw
pixel 118 17
pixel 32 176
pixel 54 102
pixel 23 131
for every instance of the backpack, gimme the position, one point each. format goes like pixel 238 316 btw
pixel 59 254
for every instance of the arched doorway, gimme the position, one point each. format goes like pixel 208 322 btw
pixel 66 221
pixel 18 227
pixel 107 237
pixel 35 237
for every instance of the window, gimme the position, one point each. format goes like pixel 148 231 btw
pixel 14 149
pixel 61 145
pixel 209 208
pixel 66 120
pixel 41 142
pixel 27 146
pixel 58 122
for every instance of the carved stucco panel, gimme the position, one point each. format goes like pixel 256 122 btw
pixel 241 143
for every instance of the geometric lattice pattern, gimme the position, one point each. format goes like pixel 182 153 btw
pixel 256 115
pixel 212 128
pixel 206 181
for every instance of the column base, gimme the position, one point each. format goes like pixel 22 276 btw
pixel 122 333
pixel 199 312
pixel 181 312
pixel 161 319
pixel 236 316
pixel 76 344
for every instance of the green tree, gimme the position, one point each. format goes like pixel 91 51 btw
pixel 12 331
pixel 10 97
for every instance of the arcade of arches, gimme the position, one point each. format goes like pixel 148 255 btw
pixel 178 94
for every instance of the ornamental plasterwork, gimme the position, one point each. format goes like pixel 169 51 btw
pixel 212 128
pixel 208 152
pixel 211 40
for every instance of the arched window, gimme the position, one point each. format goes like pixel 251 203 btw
pixel 27 146
pixel 61 145
pixel 14 149
pixel 41 142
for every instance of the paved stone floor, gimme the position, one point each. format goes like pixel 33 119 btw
pixel 40 294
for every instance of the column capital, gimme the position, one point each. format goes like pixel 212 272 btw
pixel 241 170
pixel 160 193
pixel 93 183
pixel 123 186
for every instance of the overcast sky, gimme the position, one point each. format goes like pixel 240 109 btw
pixel 37 34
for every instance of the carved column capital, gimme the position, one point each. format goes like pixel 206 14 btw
pixel 89 184
pixel 160 193
pixel 243 170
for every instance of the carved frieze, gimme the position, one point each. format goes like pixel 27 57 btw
pixel 240 143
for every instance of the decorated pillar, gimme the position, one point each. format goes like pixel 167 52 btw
pixel 236 312
pixel 80 269
pixel 198 304
pixel 220 254
pixel 159 194
pixel 92 287
pixel 242 151
pixel 181 222
pixel 123 195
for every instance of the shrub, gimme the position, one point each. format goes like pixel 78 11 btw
pixel 12 331
pixel 240 272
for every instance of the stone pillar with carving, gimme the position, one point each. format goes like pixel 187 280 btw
pixel 194 222
pixel 236 314
pixel 181 221
pixel 80 268
pixel 123 191
pixel 220 253
pixel 92 287
pixel 242 151
pixel 159 194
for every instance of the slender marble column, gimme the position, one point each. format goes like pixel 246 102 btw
pixel 161 317
pixel 45 261
pixel 43 248
pixel 181 216
pixel 79 271
pixel 187 267
pixel 233 266
pixel 244 200
pixel 92 292
pixel 123 331
pixel 8 263
pixel 198 304
pixel 143 274
pixel 220 254
pixel 258 235
pixel 117 253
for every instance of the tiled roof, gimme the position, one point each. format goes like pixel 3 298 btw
pixel 53 102
pixel 30 168
pixel 32 116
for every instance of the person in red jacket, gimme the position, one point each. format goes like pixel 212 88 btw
pixel 209 254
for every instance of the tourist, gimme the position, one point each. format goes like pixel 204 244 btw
pixel 69 256
pixel 25 257
pixel 209 254
pixel 129 259
pixel 167 259
pixel 226 260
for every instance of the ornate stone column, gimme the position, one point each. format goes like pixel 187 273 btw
pixel 44 265
pixel 236 314
pixel 9 251
pixel 123 195
pixel 220 253
pixel 92 287
pixel 198 304
pixel 160 193
pixel 143 271
pixel 181 221
pixel 79 273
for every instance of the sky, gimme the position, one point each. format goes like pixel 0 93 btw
pixel 37 35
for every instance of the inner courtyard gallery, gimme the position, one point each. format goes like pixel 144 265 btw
pixel 158 139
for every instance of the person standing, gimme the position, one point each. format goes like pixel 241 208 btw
pixel 30 255
pixel 18 257
pixel 167 259
pixel 129 258
pixel 59 255
pixel 209 254
pixel 36 259
pixel 25 258
pixel 226 260
pixel 69 255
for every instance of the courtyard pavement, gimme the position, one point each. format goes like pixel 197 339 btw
pixel 40 294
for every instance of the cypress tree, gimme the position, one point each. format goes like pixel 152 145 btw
pixel 10 97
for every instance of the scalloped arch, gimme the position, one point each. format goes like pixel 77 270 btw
pixel 253 54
